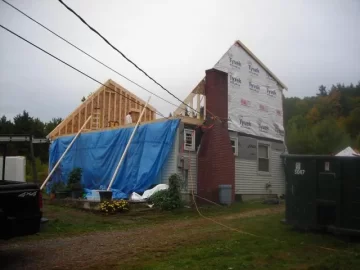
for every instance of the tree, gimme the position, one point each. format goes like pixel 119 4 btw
pixel 299 122
pixel 6 126
pixel 357 142
pixel 334 101
pixel 352 123
pixel 37 128
pixel 23 123
pixel 299 141
pixel 298 136
pixel 323 138
pixel 51 125
pixel 322 91
pixel 328 137
pixel 313 116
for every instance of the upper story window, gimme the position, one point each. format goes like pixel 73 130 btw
pixel 189 140
pixel 235 145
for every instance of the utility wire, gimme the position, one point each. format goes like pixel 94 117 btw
pixel 83 73
pixel 122 54
pixel 23 13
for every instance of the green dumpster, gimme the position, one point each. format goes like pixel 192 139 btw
pixel 323 193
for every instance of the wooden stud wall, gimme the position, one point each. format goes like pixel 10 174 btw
pixel 112 106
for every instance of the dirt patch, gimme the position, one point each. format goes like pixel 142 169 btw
pixel 259 212
pixel 94 249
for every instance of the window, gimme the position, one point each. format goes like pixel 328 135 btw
pixel 189 140
pixel 234 145
pixel 263 158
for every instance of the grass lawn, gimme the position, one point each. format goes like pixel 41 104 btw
pixel 195 243
pixel 230 250
pixel 65 221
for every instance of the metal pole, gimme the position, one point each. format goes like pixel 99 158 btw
pixel 4 157
pixel 66 150
pixel 127 146
pixel 33 161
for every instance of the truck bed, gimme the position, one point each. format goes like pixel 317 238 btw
pixel 20 209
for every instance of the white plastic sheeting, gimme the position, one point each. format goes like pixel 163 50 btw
pixel 147 194
pixel 15 168
pixel 255 98
pixel 93 195
pixel 347 152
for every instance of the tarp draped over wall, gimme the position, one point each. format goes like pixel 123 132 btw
pixel 98 154
pixel 255 98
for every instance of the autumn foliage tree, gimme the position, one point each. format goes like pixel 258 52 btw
pixel 324 123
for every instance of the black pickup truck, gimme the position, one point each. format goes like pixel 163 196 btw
pixel 20 209
pixel 20 202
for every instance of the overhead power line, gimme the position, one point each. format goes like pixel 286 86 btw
pixel 74 68
pixel 122 54
pixel 81 50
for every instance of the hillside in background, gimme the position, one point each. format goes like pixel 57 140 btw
pixel 325 123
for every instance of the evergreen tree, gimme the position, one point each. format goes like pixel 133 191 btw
pixel 322 91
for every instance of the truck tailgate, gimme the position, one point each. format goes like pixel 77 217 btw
pixel 20 209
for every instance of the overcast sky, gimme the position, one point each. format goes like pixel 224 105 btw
pixel 305 43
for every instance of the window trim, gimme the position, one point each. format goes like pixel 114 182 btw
pixel 236 140
pixel 268 144
pixel 192 132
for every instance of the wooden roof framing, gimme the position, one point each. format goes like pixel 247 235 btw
pixel 184 119
pixel 198 90
pixel 108 107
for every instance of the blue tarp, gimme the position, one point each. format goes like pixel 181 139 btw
pixel 98 154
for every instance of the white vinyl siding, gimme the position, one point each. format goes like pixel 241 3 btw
pixel 191 181
pixel 249 181
pixel 170 167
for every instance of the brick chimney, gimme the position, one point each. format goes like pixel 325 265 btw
pixel 216 163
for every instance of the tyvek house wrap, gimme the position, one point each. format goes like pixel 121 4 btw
pixel 255 98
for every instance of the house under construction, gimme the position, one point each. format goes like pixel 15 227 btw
pixel 234 136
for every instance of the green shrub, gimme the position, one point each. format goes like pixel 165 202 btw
pixel 168 199
pixel 112 207
pixel 74 180
pixel 161 199
pixel 58 187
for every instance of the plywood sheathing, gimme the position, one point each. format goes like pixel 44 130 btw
pixel 111 106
